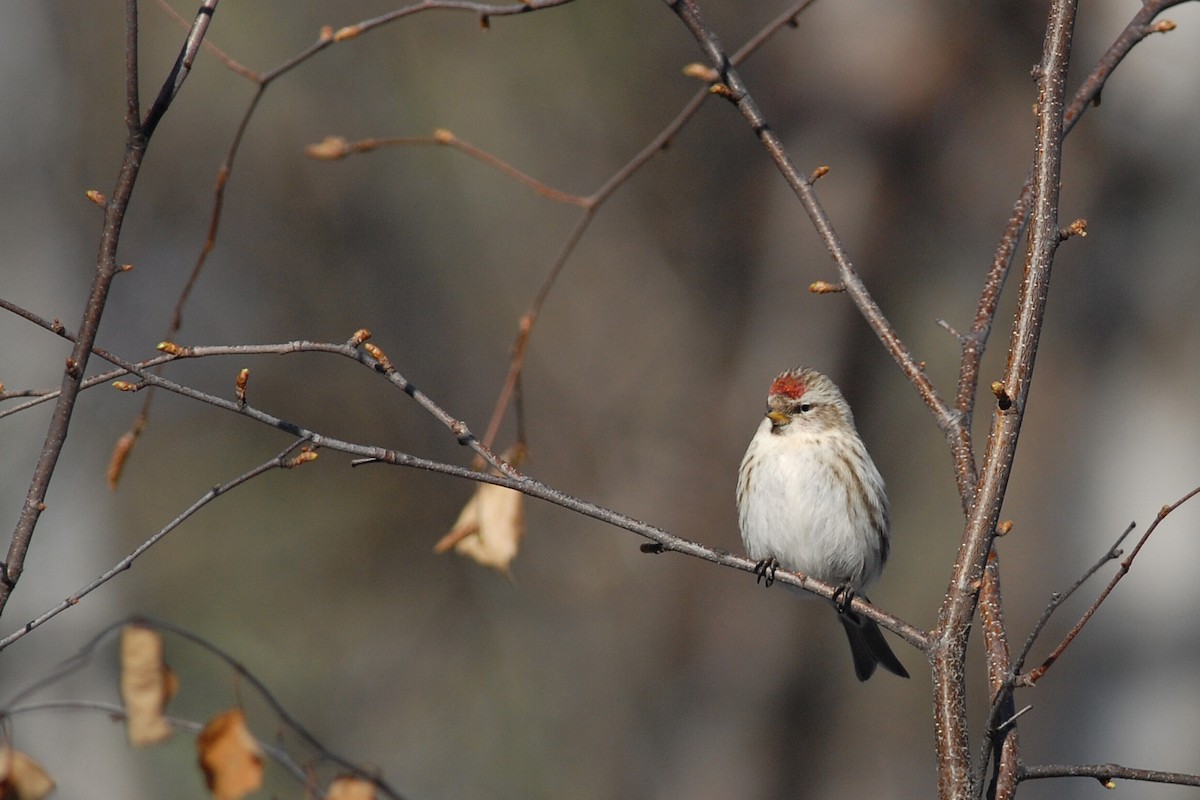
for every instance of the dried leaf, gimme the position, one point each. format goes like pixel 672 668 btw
pixel 230 757
pixel 351 788
pixel 490 527
pixel 120 454
pixel 147 684
pixel 22 778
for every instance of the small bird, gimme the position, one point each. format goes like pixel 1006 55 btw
pixel 810 500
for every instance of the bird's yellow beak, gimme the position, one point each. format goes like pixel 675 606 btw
pixel 778 418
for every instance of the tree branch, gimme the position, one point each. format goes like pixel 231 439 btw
pixel 974 343
pixel 280 461
pixel 1035 674
pixel 137 140
pixel 1106 773
pixel 664 541
pixel 958 609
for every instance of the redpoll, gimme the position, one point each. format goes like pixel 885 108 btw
pixel 810 500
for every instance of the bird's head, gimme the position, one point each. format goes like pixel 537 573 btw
pixel 803 399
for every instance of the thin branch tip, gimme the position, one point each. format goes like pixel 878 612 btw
pixel 1076 228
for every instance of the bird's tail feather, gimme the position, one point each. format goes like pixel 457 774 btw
pixel 868 646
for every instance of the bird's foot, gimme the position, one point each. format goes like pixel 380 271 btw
pixel 765 570
pixel 843 597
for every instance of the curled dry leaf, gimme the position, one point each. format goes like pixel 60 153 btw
pixel 348 787
pixel 489 529
pixel 147 684
pixel 22 778
pixel 230 757
pixel 120 454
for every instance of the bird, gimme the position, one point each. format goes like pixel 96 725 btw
pixel 811 500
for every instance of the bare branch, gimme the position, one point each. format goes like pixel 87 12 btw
pixel 737 92
pixel 1005 749
pixel 325 38
pixel 1037 672
pixel 279 461
pixel 1058 598
pixel 509 476
pixel 974 343
pixel 84 656
pixel 958 609
pixel 334 148
pixel 1106 774
pixel 597 199
pixel 107 268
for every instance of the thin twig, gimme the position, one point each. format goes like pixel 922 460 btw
pixel 279 461
pixel 1035 674
pixel 597 199
pixel 734 88
pixel 510 477
pixel 137 140
pixel 955 777
pixel 1002 690
pixel 1058 598
pixel 217 53
pixel 974 342
pixel 84 656
pixel 181 69
pixel 270 699
pixel 262 80
pixel 118 713
pixel 336 148
pixel 995 636
pixel 1106 774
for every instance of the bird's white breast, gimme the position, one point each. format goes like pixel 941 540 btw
pixel 803 505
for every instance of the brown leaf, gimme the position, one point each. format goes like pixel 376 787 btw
pixel 22 778
pixel 120 454
pixel 489 528
pixel 147 684
pixel 350 788
pixel 230 757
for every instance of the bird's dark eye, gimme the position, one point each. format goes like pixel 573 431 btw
pixel 805 408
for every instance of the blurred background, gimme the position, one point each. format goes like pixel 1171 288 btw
pixel 597 671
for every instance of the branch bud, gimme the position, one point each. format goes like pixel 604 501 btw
pixel 1002 398
pixel 239 386
pixel 331 148
pixel 171 348
pixel 380 356
pixel 304 456
pixel 702 72
pixel 1076 228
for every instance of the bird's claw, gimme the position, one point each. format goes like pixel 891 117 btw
pixel 765 570
pixel 843 596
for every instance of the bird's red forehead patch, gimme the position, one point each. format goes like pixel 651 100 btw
pixel 789 385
